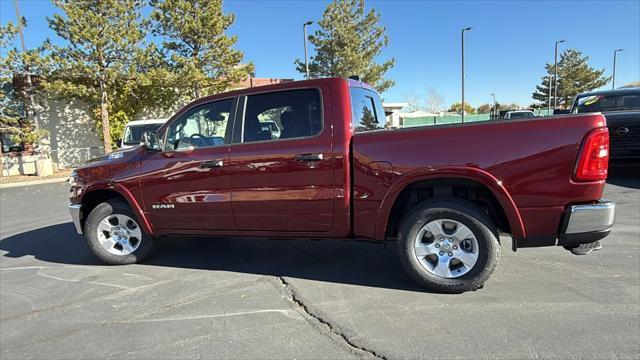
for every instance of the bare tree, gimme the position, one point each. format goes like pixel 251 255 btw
pixel 412 101
pixel 434 101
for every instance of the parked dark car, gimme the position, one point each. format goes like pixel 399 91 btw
pixel 622 109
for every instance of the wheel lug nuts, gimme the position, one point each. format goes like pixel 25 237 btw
pixel 450 254
pixel 455 247
pixel 437 245
pixel 441 253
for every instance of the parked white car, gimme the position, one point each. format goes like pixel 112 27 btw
pixel 134 129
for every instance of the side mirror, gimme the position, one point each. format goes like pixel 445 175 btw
pixel 150 141
pixel 119 143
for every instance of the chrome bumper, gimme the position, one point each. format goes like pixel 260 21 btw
pixel 588 223
pixel 74 210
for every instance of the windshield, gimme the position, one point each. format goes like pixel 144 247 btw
pixel 604 103
pixel 518 115
pixel 133 134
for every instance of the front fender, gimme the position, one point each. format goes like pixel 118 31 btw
pixel 126 195
pixel 431 173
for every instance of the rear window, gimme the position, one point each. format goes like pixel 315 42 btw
pixel 366 109
pixel 604 103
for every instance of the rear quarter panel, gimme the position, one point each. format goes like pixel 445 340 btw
pixel 531 159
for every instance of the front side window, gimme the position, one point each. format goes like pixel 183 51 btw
pixel 282 115
pixel 366 110
pixel 203 126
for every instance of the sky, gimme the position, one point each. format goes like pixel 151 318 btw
pixel 505 52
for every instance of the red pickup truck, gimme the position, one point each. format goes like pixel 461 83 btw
pixel 332 170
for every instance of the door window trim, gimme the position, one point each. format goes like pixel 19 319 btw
pixel 242 111
pixel 179 117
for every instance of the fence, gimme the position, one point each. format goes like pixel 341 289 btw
pixel 455 119
pixel 31 162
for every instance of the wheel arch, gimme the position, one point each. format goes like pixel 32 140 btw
pixel 452 177
pixel 98 193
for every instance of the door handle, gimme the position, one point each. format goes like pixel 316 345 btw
pixel 211 164
pixel 308 157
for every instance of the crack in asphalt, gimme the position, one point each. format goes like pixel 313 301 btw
pixel 296 300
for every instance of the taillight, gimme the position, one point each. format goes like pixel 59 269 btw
pixel 593 163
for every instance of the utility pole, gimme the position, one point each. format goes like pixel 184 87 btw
pixel 462 70
pixel 495 110
pixel 29 82
pixel 555 75
pixel 613 79
pixel 549 97
pixel 306 58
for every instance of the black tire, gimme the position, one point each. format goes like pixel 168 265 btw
pixel 467 214
pixel 113 207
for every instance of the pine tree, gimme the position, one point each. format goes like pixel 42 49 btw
pixel 197 47
pixel 574 76
pixel 348 42
pixel 102 40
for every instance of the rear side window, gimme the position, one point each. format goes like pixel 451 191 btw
pixel 366 109
pixel 282 115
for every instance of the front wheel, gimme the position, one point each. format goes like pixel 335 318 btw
pixel 448 245
pixel 114 234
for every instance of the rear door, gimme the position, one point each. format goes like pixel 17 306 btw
pixel 283 181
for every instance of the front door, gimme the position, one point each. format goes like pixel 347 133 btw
pixel 186 185
pixel 282 170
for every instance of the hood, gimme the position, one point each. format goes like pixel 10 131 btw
pixel 119 156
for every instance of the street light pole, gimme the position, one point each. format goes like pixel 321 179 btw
pixel 462 111
pixel 494 106
pixel 613 79
pixel 555 75
pixel 306 58
pixel 549 97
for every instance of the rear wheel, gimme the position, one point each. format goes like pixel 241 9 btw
pixel 448 245
pixel 114 234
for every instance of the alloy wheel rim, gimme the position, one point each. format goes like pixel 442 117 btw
pixel 119 234
pixel 446 248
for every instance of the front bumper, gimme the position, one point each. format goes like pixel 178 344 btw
pixel 587 223
pixel 75 210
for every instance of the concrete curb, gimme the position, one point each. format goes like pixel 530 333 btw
pixel 36 182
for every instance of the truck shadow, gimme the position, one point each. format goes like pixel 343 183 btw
pixel 347 262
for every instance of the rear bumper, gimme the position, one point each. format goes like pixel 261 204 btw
pixel 581 224
pixel 75 211
pixel 587 223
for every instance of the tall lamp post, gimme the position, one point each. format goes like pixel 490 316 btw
pixel 549 96
pixel 463 30
pixel 555 74
pixel 613 79
pixel 306 57
pixel 495 110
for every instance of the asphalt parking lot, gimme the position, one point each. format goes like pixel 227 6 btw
pixel 256 298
